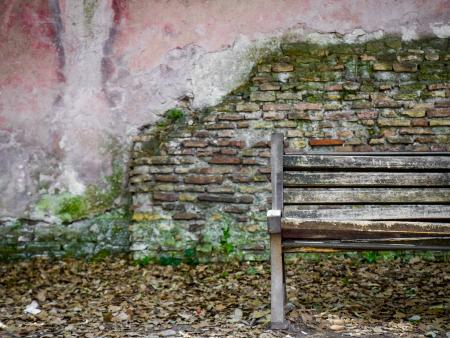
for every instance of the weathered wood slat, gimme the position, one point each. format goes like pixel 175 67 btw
pixel 367 162
pixel 331 246
pixel 298 178
pixel 369 212
pixel 428 228
pixel 366 195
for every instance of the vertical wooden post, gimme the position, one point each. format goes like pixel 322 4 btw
pixel 277 296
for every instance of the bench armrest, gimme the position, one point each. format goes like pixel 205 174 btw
pixel 274 221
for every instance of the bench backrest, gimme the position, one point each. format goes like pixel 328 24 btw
pixel 361 186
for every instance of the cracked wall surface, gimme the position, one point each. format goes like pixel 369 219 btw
pixel 78 78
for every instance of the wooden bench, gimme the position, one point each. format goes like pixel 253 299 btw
pixel 354 201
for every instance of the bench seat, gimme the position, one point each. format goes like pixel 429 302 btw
pixel 354 201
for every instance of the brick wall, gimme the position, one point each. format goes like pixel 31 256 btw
pixel 200 181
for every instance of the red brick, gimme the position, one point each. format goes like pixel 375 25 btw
pixel 231 117
pixel 185 216
pixel 194 179
pixel 367 115
pixel 231 143
pixel 419 122
pixel 166 178
pixel 325 142
pixel 340 115
pixel 166 197
pixel 224 160
pixel 195 144
pixel 439 112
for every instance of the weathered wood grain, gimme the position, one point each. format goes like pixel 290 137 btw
pixel 369 212
pixel 366 195
pixel 292 179
pixel 428 228
pixel 367 162
pixel 292 246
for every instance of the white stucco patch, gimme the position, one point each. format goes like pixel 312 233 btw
pixel 441 30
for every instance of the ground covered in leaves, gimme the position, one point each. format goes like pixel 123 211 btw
pixel 333 296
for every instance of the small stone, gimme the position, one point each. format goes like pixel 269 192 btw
pixel 167 333
pixel 336 327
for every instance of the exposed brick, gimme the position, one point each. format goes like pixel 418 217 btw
pixel 247 106
pixel 439 112
pixel 376 141
pixel 166 197
pixel 231 143
pixel 302 115
pixel 228 151
pixel 340 115
pixel 263 96
pixel 212 170
pixel 273 116
pixel 234 209
pixel 413 113
pixel 308 106
pixel 224 160
pixel 220 126
pixel 382 66
pixel 246 199
pixel 195 144
pixel 419 122
pixel 367 115
pixel 264 68
pixel 201 134
pixel 261 144
pixel 276 106
pixel 400 139
pixel 194 179
pixel 334 87
pixel 289 96
pixel 185 216
pixel 231 117
pixel 167 178
pixel 442 104
pixel 425 139
pixel 394 122
pixel 243 124
pixel 407 67
pixel 413 131
pixel 282 67
pixel 438 86
pixel 439 122
pixel 325 142
pixel 269 86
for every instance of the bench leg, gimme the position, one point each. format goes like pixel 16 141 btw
pixel 277 295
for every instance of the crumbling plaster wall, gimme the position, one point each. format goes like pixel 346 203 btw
pixel 78 77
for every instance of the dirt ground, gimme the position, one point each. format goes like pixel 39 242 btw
pixel 329 296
